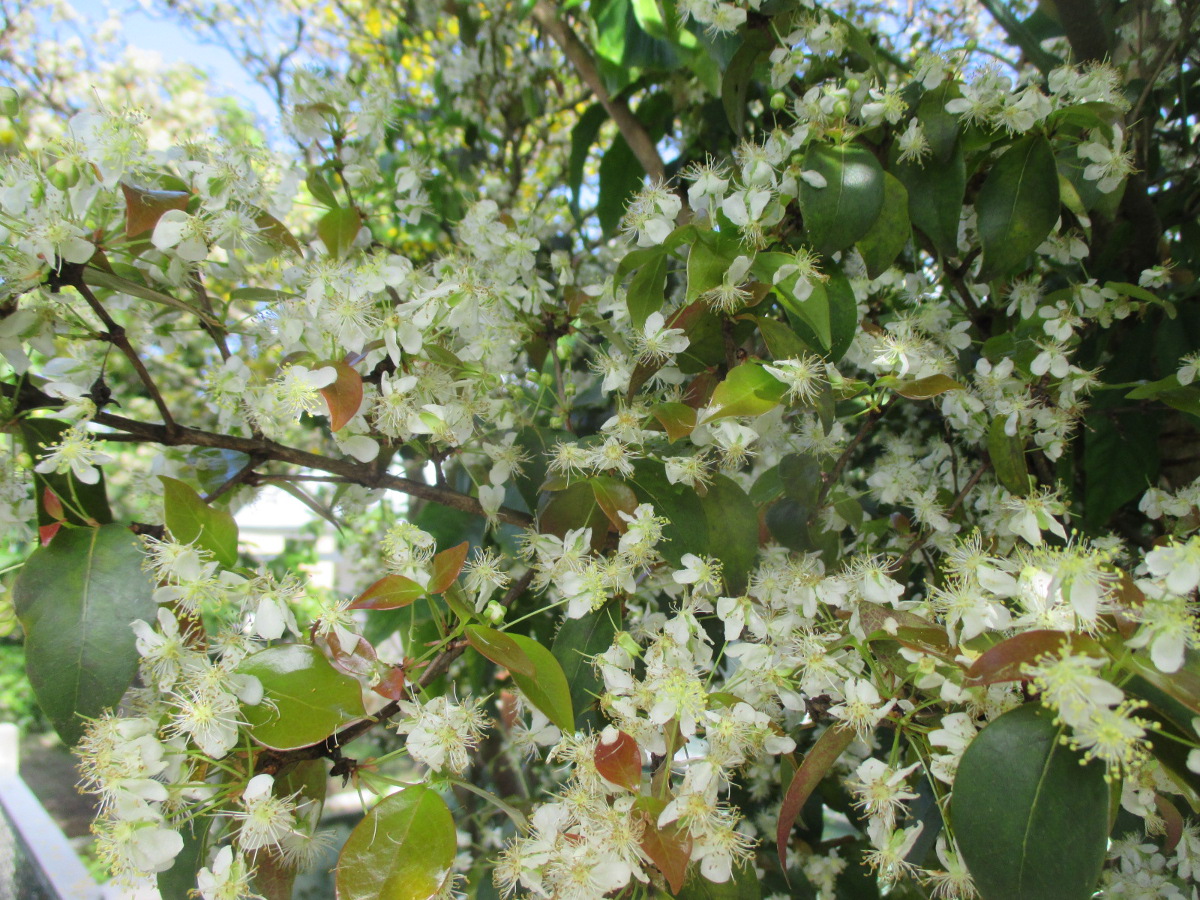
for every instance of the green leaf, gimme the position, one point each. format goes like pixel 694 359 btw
pixel 920 388
pixel 614 497
pixel 84 504
pixel 191 520
pixel 1031 820
pixel 403 849
pixel 1017 205
pixel 837 215
pixel 305 698
pixel 573 507
pixel 941 128
pixel 708 261
pixel 646 291
pixel 677 419
pixel 75 599
pixel 748 390
pixel 577 643
pixel 547 688
pixel 732 530
pixel 1007 453
pixel 620 178
pixel 338 228
pixel 688 529
pixel 781 341
pixel 843 313
pixel 886 238
pixel 500 649
pixel 935 197
pixel 739 75
pixel 318 186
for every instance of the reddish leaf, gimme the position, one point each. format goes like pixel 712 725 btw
pixel 1172 821
pixel 669 848
pixel 144 208
pixel 1005 660
pixel 446 566
pixel 46 533
pixel 344 397
pixel 614 497
pixel 52 505
pixel 500 649
pixel 816 766
pixel 620 761
pixel 391 685
pixel 389 592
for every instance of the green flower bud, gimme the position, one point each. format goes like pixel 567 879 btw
pixel 778 100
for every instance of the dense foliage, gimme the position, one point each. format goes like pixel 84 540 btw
pixel 761 435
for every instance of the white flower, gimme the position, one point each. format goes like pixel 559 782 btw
pixel 75 452
pixel 657 343
pixel 188 235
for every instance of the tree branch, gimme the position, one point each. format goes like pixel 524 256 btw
pixel 628 124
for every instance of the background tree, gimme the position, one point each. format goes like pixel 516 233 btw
pixel 766 429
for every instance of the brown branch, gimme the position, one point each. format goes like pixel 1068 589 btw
pixel 830 478
pixel 117 337
pixel 958 500
pixel 268 450
pixel 628 124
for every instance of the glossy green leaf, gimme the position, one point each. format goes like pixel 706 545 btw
pixel 179 881
pixel 843 313
pixel 841 212
pixel 500 649
pixel 935 197
pixel 748 390
pixel 1017 205
pixel 708 261
pixel 338 228
pixel 1031 821
pixel 646 291
pixel 577 644
pixel 191 520
pixel 547 688
pixel 305 698
pixel 389 592
pixel 732 530
pixel 403 849
pixel 941 128
pixel 886 238
pixel 688 528
pixel 1007 454
pixel 75 599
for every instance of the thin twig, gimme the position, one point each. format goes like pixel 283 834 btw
pixel 628 124
pixel 953 508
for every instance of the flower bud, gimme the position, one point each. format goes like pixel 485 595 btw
pixel 778 100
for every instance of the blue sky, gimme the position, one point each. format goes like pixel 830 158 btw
pixel 162 34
